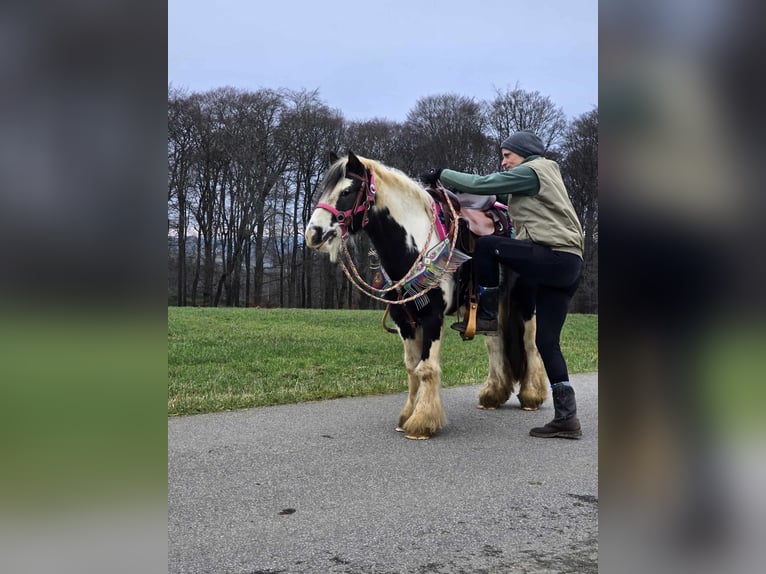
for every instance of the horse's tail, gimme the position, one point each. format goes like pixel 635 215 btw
pixel 516 307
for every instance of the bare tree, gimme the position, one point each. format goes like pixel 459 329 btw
pixel 259 148
pixel 579 168
pixel 517 109
pixel 314 129
pixel 180 163
pixel 210 163
pixel 377 139
pixel 448 131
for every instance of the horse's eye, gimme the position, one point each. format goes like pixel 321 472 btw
pixel 345 192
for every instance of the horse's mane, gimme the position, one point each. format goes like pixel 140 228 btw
pixel 389 180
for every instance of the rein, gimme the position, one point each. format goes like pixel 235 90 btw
pixel 421 261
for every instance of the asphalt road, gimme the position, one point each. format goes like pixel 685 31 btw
pixel 331 487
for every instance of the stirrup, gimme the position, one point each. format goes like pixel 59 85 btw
pixel 467 327
pixel 461 328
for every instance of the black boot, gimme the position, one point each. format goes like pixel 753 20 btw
pixel 565 423
pixel 486 314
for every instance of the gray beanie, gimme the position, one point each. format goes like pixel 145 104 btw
pixel 524 143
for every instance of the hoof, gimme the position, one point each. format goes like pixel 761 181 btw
pixel 483 408
pixel 529 408
pixel 414 437
pixel 399 429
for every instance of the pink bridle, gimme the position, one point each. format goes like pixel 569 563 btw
pixel 367 191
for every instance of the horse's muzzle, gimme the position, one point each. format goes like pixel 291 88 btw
pixel 316 237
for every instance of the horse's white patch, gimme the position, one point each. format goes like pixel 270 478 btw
pixel 322 232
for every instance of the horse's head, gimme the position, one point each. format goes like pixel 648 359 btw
pixel 345 196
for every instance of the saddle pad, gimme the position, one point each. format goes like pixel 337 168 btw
pixel 478 221
pixel 472 201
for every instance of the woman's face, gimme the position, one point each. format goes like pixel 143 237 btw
pixel 510 159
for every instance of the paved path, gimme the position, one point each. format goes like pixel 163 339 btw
pixel 331 487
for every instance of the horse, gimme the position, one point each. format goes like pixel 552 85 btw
pixel 402 221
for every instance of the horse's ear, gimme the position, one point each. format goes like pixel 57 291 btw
pixel 333 157
pixel 355 166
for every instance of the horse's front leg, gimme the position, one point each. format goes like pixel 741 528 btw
pixel 412 352
pixel 427 417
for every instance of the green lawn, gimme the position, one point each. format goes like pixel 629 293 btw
pixel 221 359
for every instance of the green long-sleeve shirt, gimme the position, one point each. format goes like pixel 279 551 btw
pixel 521 180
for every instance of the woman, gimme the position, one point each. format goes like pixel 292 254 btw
pixel 547 253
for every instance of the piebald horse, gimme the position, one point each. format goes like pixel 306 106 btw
pixel 400 217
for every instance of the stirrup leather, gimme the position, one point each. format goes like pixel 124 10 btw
pixel 470 329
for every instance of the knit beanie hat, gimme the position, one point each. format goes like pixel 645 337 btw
pixel 524 143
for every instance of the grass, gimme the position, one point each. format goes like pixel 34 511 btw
pixel 223 359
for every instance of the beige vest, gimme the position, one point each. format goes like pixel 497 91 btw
pixel 547 217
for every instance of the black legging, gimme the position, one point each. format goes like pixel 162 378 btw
pixel 552 275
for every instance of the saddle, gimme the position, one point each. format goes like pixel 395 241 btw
pixel 478 215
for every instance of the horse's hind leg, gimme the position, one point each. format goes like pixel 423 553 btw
pixel 534 385
pixel 411 359
pixel 497 387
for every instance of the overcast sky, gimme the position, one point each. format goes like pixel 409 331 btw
pixel 376 58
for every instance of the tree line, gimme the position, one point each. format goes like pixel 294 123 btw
pixel 244 168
